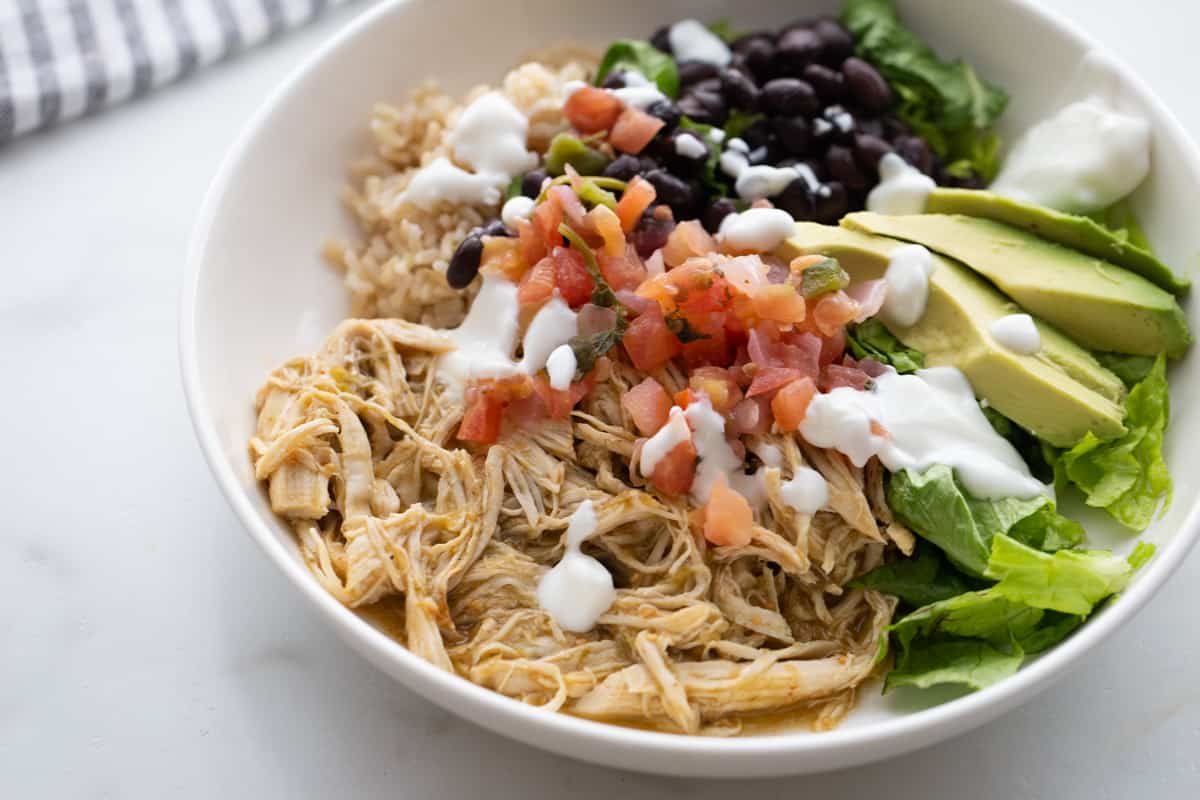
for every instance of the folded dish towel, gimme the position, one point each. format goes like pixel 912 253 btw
pixel 61 59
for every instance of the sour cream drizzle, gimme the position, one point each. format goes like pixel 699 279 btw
pixel 917 421
pixel 1018 333
pixel 692 41
pixel 902 189
pixel 578 589
pixel 907 280
pixel 758 229
pixel 807 492
pixel 489 137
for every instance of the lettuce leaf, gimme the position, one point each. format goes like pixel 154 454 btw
pixel 871 339
pixel 971 662
pixel 921 579
pixel 937 509
pixel 1131 369
pixel 945 102
pixel 1127 476
pixel 643 57
pixel 1070 581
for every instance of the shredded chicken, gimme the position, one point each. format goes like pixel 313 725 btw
pixel 355 444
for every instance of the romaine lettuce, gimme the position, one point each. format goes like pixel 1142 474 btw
pixel 871 339
pixel 1070 581
pixel 935 507
pixel 1127 476
pixel 921 579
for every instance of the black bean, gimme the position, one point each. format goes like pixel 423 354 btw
pixel 531 184
pixel 819 171
pixel 872 126
pixel 829 83
pixel 789 97
pixel 646 163
pixel 866 85
pixel 623 167
pixel 868 150
pixel 914 150
pixel 614 79
pixel 662 38
pixel 843 123
pixel 665 110
pixel 797 49
pixel 716 213
pixel 682 165
pixel 651 233
pixel 836 42
pixel 706 107
pixel 739 91
pixel 842 166
pixel 464 264
pixel 758 52
pixel 794 133
pixel 695 71
pixel 894 127
pixel 831 202
pixel 494 228
pixel 673 191
pixel 796 199
pixel 738 64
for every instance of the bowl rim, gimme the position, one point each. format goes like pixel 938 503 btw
pixel 888 737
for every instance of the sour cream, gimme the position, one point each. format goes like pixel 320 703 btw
pixel 907 279
pixel 1084 158
pixel 902 188
pixel 578 589
pixel 763 180
pixel 916 421
pixel 1018 333
pixel 689 146
pixel 516 209
pixel 489 137
pixel 674 433
pixel 641 97
pixel 692 41
pixel 553 325
pixel 560 367
pixel 717 459
pixel 758 229
pixel 807 492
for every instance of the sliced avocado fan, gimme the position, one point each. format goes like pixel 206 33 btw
pixel 1079 233
pixel 1096 303
pixel 1058 394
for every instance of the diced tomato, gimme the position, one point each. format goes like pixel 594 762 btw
pixel 605 221
pixel 558 403
pixel 546 219
pixel 728 518
pixel 870 296
pixel 572 207
pixel 649 405
pixel 713 350
pixel 623 271
pixel 834 376
pixel 685 397
pixel 771 379
pixel 590 109
pixel 833 311
pixel 638 196
pixel 649 342
pixel 674 472
pixel 633 130
pixel 751 416
pixel 502 256
pixel 571 276
pixel 872 367
pixel 527 412
pixel 688 240
pixel 537 285
pixel 790 404
pixel 593 319
pixel 484 414
pixel 533 245
pixel 779 302
pixel 833 347
pixel 795 351
pixel 723 392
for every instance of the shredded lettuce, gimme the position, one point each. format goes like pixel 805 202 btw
pixel 871 339
pixel 945 102
pixel 1127 476
pixel 935 507
pixel 646 59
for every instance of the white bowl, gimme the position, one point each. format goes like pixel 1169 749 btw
pixel 257 293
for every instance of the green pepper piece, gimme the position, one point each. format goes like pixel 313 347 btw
pixel 822 278
pixel 567 149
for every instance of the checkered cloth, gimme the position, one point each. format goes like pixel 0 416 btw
pixel 61 59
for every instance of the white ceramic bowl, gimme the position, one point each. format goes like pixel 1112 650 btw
pixel 257 293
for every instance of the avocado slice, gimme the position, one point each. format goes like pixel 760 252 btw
pixel 1079 233
pixel 1035 391
pixel 1098 304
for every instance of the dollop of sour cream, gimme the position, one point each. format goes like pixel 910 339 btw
pixel 486 339
pixel 672 434
pixel 1018 333
pixel 691 40
pixel 902 188
pixel 807 492
pixel 689 146
pixel 916 421
pixel 489 137
pixel 516 209
pixel 758 229
pixel 907 279
pixel 578 589
pixel 763 180
pixel 560 367
pixel 1083 159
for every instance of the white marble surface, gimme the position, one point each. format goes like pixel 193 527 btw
pixel 147 649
